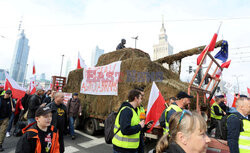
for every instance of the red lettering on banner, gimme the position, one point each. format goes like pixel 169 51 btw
pixel 109 76
pixel 91 76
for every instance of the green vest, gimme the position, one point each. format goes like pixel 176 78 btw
pixel 2 93
pixel 213 115
pixel 244 139
pixel 126 141
pixel 140 110
pixel 177 109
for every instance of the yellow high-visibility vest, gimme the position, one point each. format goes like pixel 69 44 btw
pixel 213 115
pixel 244 139
pixel 177 109
pixel 126 141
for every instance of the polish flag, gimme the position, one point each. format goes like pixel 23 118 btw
pixel 34 69
pixel 17 91
pixel 223 65
pixel 226 64
pixel 231 100
pixel 248 91
pixel 80 62
pixel 218 73
pixel 156 106
pixel 209 48
pixel 32 86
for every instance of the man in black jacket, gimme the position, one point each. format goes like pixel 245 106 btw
pixel 7 106
pixel 34 103
pixel 235 124
pixel 126 119
pixel 59 116
pixel 25 100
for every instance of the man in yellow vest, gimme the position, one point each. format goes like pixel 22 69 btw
pixel 183 99
pixel 216 113
pixel 238 127
pixel 128 125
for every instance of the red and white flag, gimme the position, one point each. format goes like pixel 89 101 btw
pixel 226 64
pixel 156 106
pixel 248 91
pixel 32 86
pixel 231 100
pixel 80 62
pixel 17 91
pixel 218 73
pixel 210 47
pixel 212 101
pixel 34 69
pixel 223 65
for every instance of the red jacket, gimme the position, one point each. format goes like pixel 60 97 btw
pixel 19 106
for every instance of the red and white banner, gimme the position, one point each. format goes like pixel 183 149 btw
pixel 80 62
pixel 156 105
pixel 67 96
pixel 17 91
pixel 102 80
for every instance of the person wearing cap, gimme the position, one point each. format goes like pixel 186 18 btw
pixel 183 99
pixel 34 103
pixel 7 107
pixel 74 109
pixel 40 136
pixel 216 113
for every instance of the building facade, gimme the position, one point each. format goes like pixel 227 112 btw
pixel 163 48
pixel 20 57
pixel 95 55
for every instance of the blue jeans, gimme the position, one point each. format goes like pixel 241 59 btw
pixel 10 122
pixel 71 126
pixel 31 120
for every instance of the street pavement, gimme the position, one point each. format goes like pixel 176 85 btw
pixel 83 143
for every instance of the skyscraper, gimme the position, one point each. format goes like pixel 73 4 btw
pixel 20 57
pixel 95 55
pixel 163 48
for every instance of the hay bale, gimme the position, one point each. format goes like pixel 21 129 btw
pixel 133 61
pixel 121 55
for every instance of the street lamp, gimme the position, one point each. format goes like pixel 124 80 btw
pixel 61 65
pixel 135 38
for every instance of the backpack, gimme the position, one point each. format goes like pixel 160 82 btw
pixel 162 119
pixel 221 130
pixel 109 127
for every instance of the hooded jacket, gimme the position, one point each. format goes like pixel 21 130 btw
pixel 30 142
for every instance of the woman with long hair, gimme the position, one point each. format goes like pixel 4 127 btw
pixel 187 134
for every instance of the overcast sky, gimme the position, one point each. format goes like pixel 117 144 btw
pixel 56 27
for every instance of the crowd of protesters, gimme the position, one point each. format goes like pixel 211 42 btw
pixel 49 120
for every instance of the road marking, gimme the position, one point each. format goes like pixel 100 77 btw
pixel 92 143
pixel 71 149
pixel 13 151
pixel 85 135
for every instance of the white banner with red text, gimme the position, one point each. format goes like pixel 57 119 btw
pixel 102 80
